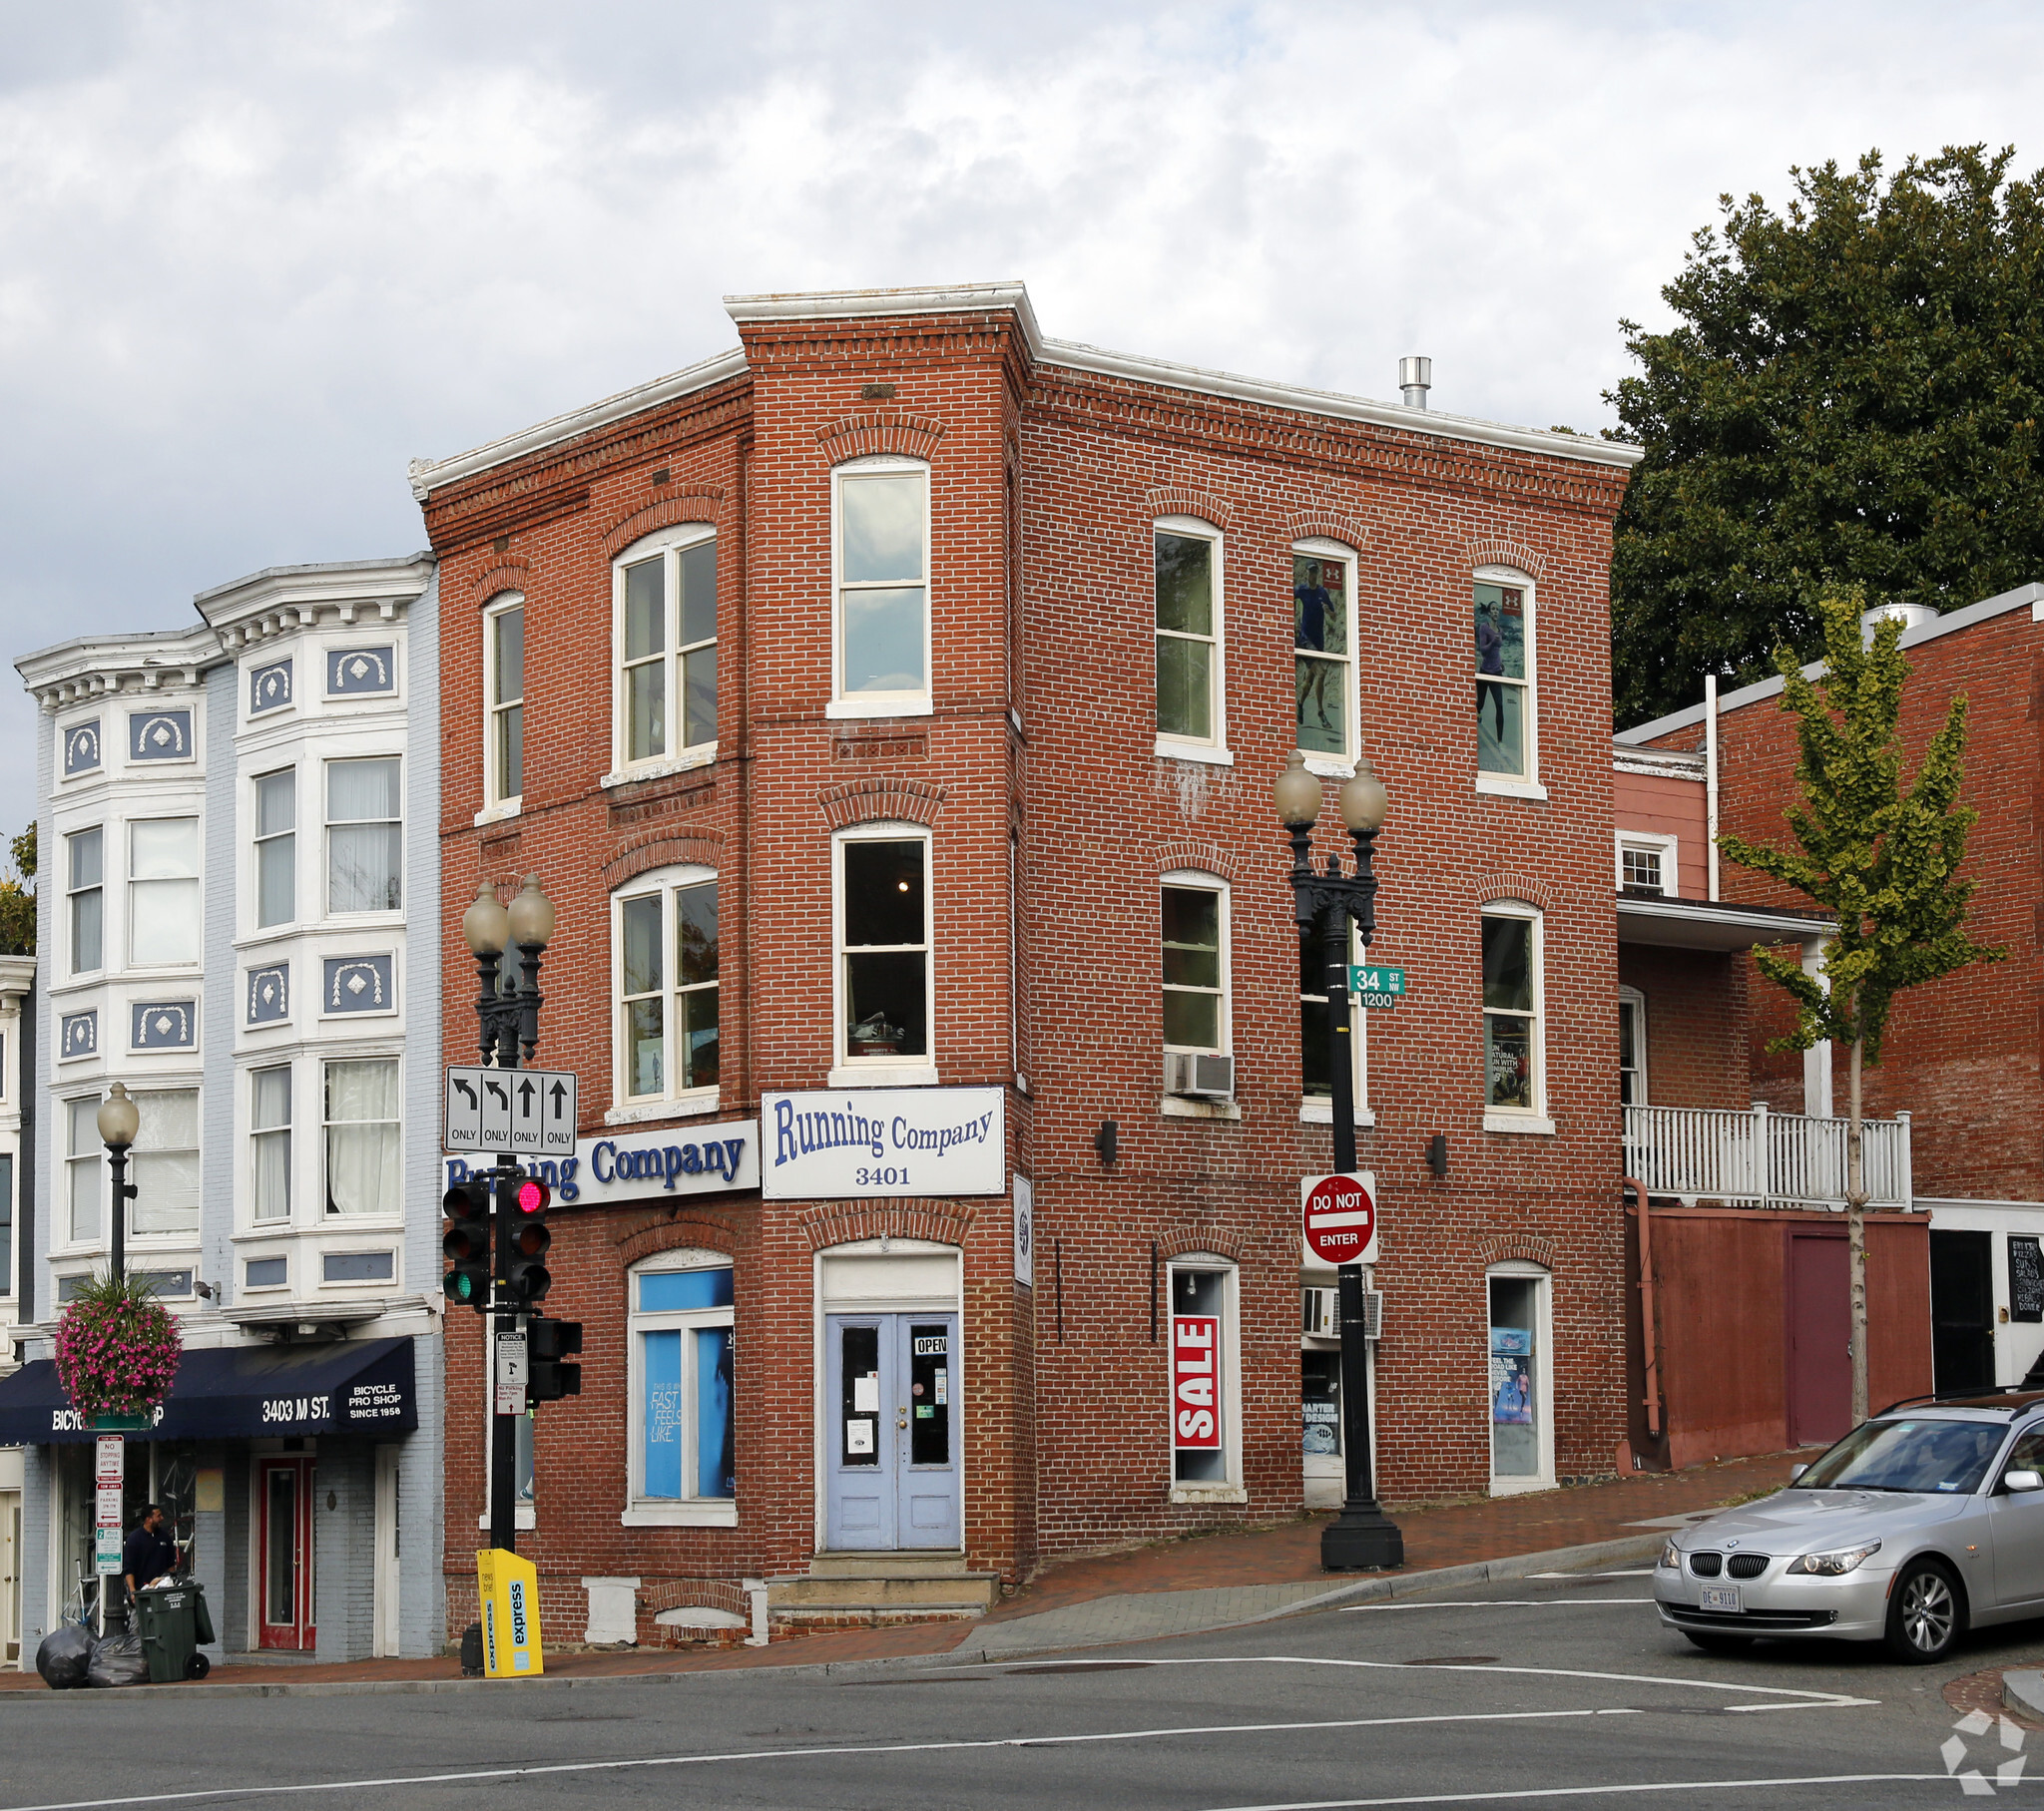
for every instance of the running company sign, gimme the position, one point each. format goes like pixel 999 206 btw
pixel 627 1167
pixel 830 1143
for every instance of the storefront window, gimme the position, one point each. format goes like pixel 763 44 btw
pixel 1518 1408
pixel 1199 1435
pixel 682 1352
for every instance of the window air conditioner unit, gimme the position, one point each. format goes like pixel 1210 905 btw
pixel 1322 1313
pixel 1198 1078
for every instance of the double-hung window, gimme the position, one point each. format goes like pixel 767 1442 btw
pixel 163 891
pixel 85 888
pixel 365 836
pixel 270 1142
pixel 667 986
pixel 1645 864
pixel 163 1163
pixel 85 1172
pixel 683 1461
pixel 1187 590
pixel 7 1225
pixel 1506 717
pixel 363 1137
pixel 1632 1047
pixel 666 590
pixel 1514 1082
pixel 1323 631
pixel 504 698
pixel 1195 950
pixel 883 949
pixel 882 584
pixel 276 848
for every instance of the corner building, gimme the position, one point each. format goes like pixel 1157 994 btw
pixel 890 707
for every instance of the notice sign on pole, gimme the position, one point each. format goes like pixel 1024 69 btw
pixel 515 1110
pixel 107 1508
pixel 514 1372
pixel 1338 1217
pixel 110 1459
pixel 106 1552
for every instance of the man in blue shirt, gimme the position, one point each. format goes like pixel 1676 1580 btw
pixel 148 1554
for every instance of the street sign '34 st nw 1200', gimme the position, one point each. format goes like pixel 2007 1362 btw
pixel 1339 1215
pixel 511 1110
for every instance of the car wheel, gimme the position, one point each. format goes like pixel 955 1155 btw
pixel 1926 1615
pixel 1712 1643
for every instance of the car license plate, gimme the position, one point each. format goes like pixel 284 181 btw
pixel 1720 1597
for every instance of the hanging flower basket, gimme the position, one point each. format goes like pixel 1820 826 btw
pixel 117 1349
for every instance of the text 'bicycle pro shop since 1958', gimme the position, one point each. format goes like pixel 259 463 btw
pixel 934 1119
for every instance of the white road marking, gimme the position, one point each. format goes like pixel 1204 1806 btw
pixel 1531 1792
pixel 544 1769
pixel 1497 1604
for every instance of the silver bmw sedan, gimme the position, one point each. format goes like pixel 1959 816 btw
pixel 1920 1523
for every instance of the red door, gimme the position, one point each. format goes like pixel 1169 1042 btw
pixel 283 1513
pixel 1819 1341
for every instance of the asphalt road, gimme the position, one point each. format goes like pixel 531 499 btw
pixel 1558 1690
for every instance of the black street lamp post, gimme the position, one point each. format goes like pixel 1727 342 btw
pixel 119 1120
pixel 1328 902
pixel 509 1023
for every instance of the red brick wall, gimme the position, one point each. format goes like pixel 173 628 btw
pixel 1066 1437
pixel 1962 1053
pixel 1695 1025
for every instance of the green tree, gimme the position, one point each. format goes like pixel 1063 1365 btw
pixel 1853 394
pixel 1882 859
pixel 18 898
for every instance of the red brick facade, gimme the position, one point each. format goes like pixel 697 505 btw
pixel 1045 479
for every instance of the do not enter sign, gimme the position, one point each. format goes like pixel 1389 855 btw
pixel 1338 1214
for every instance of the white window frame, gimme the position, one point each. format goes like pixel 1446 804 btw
pixel 90 1160
pixel 257 840
pixel 328 823
pixel 641 1510
pixel 138 1155
pixel 287 1134
pixel 1212 748
pixel 329 1217
pixel 668 544
pixel 883 1072
pixel 1543 1373
pixel 1196 880
pixel 1229 1488
pixel 1632 996
pixel 497 803
pixel 1342 766
pixel 1644 841
pixel 72 893
pixel 1517 1118
pixel 195 880
pixel 671 1101
pixel 1507 786
pixel 854 705
pixel 1312 1110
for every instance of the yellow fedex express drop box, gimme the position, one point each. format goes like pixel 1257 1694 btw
pixel 508 1589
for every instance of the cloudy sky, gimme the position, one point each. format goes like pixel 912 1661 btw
pixel 254 258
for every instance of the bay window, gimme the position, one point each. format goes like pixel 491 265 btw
pixel 365 834
pixel 163 891
pixel 163 1163
pixel 85 890
pixel 85 1177
pixel 362 1153
pixel 276 848
pixel 270 1142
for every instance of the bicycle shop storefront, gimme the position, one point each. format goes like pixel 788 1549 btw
pixel 276 1467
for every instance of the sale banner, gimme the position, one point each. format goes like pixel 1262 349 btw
pixel 1196 1381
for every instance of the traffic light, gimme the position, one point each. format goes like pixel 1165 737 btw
pixel 467 1243
pixel 522 1239
pixel 548 1344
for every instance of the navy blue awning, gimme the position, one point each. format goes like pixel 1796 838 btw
pixel 357 1386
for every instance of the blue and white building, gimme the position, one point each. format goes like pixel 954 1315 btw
pixel 239 822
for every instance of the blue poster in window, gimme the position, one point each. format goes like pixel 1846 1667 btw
pixel 716 1474
pixel 662 1461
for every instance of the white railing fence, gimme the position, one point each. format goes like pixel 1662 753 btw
pixel 1775 1159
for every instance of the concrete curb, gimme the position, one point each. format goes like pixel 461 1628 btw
pixel 1389 1584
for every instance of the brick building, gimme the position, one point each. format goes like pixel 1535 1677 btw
pixel 1957 1099
pixel 890 709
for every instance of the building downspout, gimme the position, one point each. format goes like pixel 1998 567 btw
pixel 1710 780
pixel 1649 1345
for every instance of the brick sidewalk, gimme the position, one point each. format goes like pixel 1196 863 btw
pixel 1445 1535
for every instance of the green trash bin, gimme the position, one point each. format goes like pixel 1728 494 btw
pixel 173 1623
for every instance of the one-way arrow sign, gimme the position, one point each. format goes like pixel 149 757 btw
pixel 514 1110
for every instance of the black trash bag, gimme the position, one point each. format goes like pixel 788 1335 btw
pixel 118 1661
pixel 64 1656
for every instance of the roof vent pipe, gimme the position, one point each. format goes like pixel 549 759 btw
pixel 1416 379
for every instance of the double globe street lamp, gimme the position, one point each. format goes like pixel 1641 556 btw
pixel 1328 901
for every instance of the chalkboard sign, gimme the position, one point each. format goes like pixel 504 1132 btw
pixel 2025 1277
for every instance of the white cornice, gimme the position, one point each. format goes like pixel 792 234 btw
pixel 17 976
pixel 282 598
pixel 427 475
pixel 90 665
pixel 1662 763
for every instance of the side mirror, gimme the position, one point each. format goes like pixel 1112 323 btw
pixel 2022 1480
pixel 1795 1472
